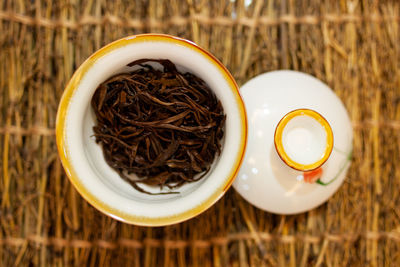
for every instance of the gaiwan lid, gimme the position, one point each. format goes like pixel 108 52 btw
pixel 299 142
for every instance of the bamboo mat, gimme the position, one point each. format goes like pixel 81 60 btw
pixel 353 46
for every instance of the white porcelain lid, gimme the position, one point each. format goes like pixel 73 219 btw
pixel 264 179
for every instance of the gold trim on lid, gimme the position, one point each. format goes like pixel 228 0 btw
pixel 279 145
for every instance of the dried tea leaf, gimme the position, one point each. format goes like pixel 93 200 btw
pixel 164 126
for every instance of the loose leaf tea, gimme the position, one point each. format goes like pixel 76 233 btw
pixel 162 125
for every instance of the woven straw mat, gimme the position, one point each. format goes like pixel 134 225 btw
pixel 353 46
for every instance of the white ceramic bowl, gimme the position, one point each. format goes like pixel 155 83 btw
pixel 83 159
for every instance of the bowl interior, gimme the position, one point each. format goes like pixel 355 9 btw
pixel 109 177
pixel 83 159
